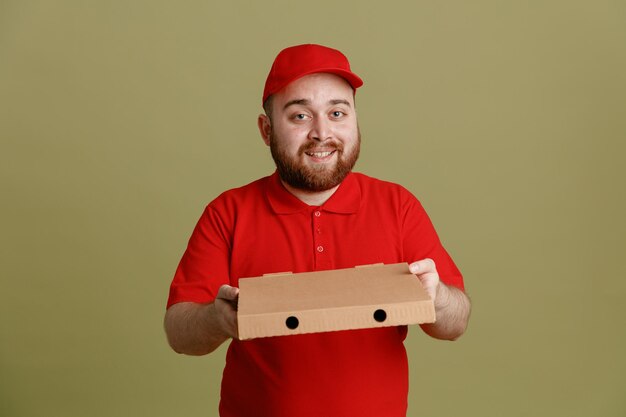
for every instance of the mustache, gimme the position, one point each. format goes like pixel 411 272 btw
pixel 330 145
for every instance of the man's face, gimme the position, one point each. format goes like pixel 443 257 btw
pixel 314 136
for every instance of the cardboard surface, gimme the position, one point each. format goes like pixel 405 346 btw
pixel 343 299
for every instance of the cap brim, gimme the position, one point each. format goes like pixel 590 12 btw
pixel 354 80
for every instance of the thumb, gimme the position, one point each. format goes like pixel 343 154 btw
pixel 227 292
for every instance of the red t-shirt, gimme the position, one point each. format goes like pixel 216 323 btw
pixel 261 228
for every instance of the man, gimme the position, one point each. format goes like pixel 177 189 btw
pixel 313 213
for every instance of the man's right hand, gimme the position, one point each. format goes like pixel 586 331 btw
pixel 198 328
pixel 225 305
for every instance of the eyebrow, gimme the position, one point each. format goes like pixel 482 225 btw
pixel 302 101
pixel 340 101
pixel 306 102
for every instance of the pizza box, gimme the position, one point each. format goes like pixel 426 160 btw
pixel 342 299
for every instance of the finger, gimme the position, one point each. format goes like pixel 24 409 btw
pixel 422 267
pixel 426 272
pixel 227 316
pixel 226 292
pixel 230 318
pixel 235 328
pixel 429 282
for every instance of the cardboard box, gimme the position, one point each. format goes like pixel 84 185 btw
pixel 343 299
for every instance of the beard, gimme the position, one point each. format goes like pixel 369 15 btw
pixel 319 177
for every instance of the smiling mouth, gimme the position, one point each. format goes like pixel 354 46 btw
pixel 320 154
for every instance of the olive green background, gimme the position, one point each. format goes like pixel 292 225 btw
pixel 120 120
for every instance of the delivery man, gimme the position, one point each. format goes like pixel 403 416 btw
pixel 314 213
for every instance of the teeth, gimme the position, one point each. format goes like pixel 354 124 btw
pixel 319 154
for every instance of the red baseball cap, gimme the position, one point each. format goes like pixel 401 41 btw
pixel 297 61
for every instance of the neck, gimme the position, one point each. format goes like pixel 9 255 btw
pixel 312 198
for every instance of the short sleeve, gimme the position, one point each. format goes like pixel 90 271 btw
pixel 420 241
pixel 204 266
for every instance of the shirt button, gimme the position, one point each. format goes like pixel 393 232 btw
pixel 317 214
pixel 320 249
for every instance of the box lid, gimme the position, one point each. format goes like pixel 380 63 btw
pixel 342 299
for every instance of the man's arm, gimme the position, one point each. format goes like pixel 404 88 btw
pixel 452 306
pixel 198 329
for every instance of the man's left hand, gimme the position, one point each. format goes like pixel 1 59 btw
pixel 452 306
pixel 426 271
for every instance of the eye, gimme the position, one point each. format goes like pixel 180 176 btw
pixel 300 116
pixel 337 114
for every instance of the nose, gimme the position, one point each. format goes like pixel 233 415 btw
pixel 320 130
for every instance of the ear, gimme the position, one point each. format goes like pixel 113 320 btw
pixel 265 128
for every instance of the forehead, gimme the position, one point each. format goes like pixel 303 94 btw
pixel 317 88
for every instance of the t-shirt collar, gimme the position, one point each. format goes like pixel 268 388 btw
pixel 345 200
